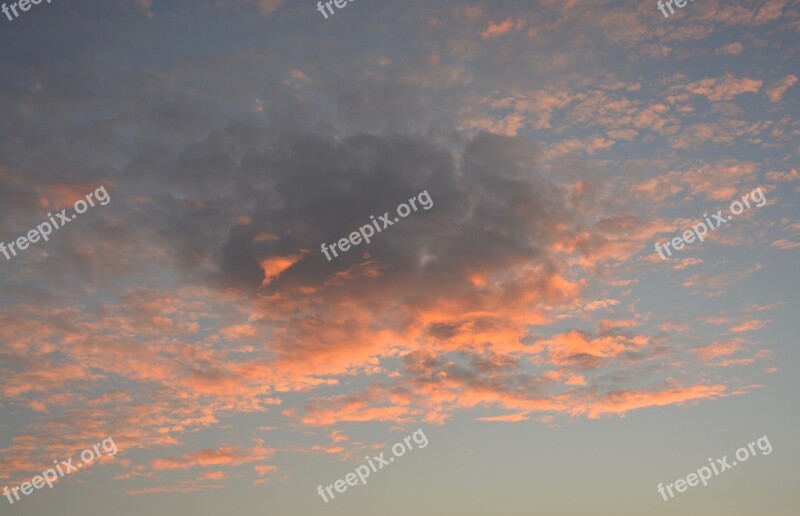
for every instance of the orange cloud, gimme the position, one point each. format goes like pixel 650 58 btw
pixel 574 345
pixel 718 349
pixel 269 6
pixel 498 29
pixel 275 266
pixel 749 325
pixel 776 93
pixel 719 89
pixel 619 402
pixel 239 331
pixel 785 244
pixel 64 196
pixel 225 456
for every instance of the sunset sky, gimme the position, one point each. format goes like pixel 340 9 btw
pixel 555 362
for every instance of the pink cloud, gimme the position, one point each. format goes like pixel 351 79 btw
pixel 498 29
pixel 776 92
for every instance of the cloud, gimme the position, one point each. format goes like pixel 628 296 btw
pixel 718 349
pixel 620 402
pixel 146 6
pixel 749 325
pixel 785 244
pixel 783 177
pixel 225 456
pixel 714 283
pixel 687 262
pixel 200 299
pixel 501 28
pixel 574 347
pixel 732 49
pixel 776 93
pixel 269 6
pixel 719 89
pixel 274 266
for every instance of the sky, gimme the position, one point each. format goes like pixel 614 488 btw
pixel 521 328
